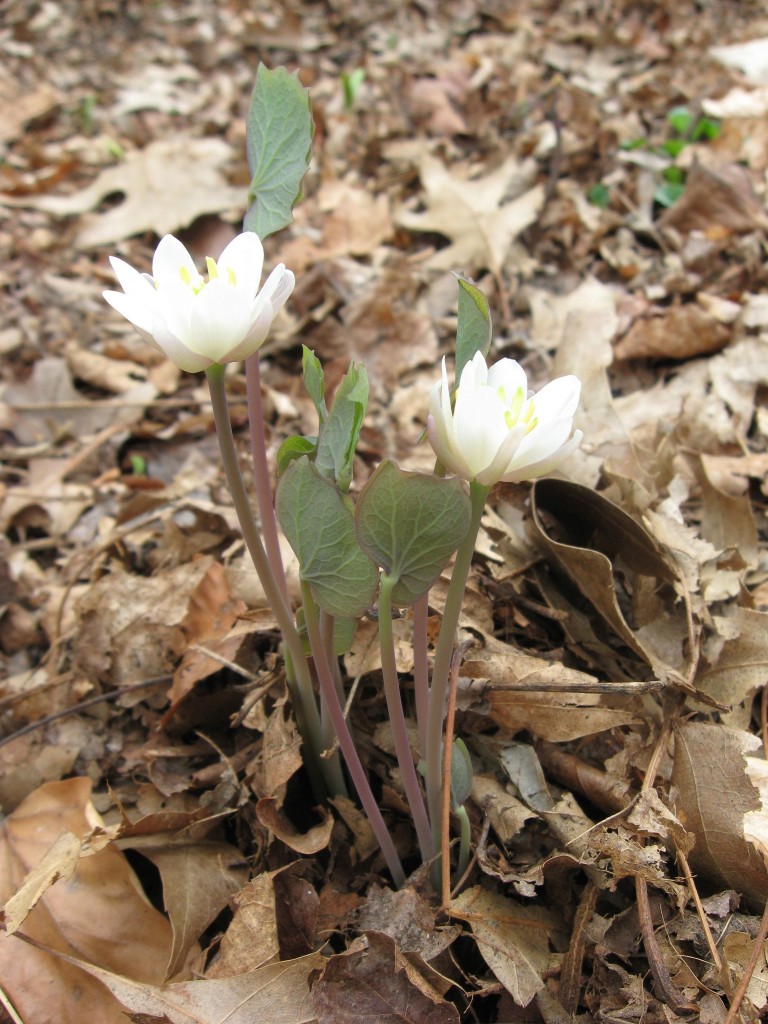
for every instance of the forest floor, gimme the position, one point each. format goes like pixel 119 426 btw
pixel 600 169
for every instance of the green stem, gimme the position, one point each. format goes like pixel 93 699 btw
pixel 440 672
pixel 464 842
pixel 421 668
pixel 261 475
pixel 397 720
pixel 304 691
pixel 346 743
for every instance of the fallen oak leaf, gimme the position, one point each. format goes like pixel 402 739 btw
pixel 473 213
pixel 150 203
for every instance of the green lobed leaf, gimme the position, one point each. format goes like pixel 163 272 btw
pixel 410 524
pixel 320 528
pixel 314 381
pixel 338 436
pixel 279 142
pixel 475 330
pixel 293 448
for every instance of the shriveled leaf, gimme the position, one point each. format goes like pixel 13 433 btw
pixel 251 940
pixel 279 142
pixel 563 708
pixel 735 656
pixel 512 938
pixel 321 530
pixel 710 763
pixel 475 330
pixel 407 916
pixel 340 431
pixel 374 982
pixel 681 332
pixel 410 524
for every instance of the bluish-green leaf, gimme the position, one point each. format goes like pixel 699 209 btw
pixel 410 524
pixel 314 381
pixel 320 528
pixel 279 143
pixel 475 329
pixel 293 448
pixel 338 436
pixel 461 773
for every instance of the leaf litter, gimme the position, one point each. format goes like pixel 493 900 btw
pixel 162 855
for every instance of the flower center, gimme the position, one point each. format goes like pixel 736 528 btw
pixel 197 283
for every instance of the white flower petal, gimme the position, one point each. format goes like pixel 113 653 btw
pixel 480 425
pixel 244 256
pixel 220 320
pixel 170 258
pixel 177 352
pixel 509 375
pixel 497 429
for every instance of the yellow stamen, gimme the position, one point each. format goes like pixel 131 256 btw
pixel 185 275
pixel 213 270
pixel 534 422
pixel 516 405
pixel 529 413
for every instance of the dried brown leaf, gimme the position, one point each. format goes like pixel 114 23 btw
pixel 512 938
pixel 306 843
pixel 374 982
pixel 710 762
pixel 473 212
pixel 278 993
pixel 149 204
pixel 100 913
pixel 681 332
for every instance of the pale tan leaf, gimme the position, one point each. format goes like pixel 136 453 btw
pixel 475 213
pixel 710 762
pixel 166 186
pixel 512 938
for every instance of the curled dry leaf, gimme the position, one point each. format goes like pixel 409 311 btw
pixel 717 202
pixel 306 843
pixel 589 537
pixel 142 178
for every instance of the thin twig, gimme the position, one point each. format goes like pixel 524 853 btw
pixel 74 709
pixel 722 969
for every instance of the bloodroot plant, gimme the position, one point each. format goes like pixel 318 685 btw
pixel 388 547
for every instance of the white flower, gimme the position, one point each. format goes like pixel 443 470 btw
pixel 196 322
pixel 498 429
